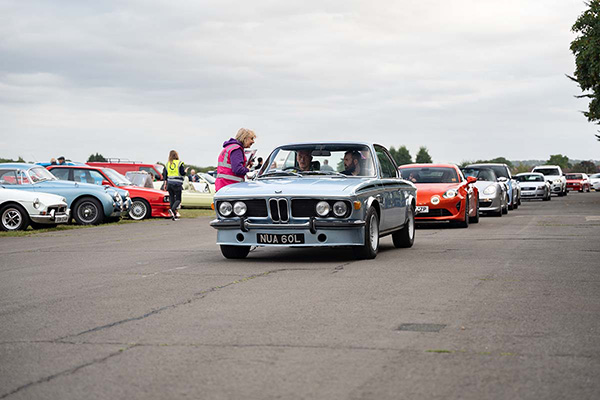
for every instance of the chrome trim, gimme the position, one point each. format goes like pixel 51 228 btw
pixel 237 222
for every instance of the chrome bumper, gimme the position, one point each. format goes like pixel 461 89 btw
pixel 313 224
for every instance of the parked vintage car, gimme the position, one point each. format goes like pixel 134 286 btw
pixel 595 181
pixel 123 166
pixel 292 202
pixel 554 175
pixel 578 181
pixel 145 202
pixel 504 175
pixel 89 204
pixel 444 194
pixel 493 194
pixel 195 194
pixel 20 208
pixel 534 186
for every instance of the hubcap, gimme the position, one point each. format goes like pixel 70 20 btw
pixel 138 210
pixel 11 219
pixel 374 232
pixel 87 212
pixel 411 225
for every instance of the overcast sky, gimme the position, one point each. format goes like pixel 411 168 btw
pixel 469 79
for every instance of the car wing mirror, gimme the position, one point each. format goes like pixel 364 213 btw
pixel 105 183
pixel 471 179
pixel 502 179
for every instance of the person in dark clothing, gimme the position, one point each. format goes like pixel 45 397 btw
pixel 173 174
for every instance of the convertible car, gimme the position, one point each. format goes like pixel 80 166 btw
pixel 195 194
pixel 444 194
pixel 145 202
pixel 318 195
pixel 19 209
pixel 89 204
pixel 493 194
pixel 504 175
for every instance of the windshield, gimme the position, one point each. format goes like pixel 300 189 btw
pixel 482 174
pixel 117 178
pixel 429 175
pixel 320 160
pixel 529 178
pixel 547 171
pixel 39 174
pixel 574 176
pixel 207 177
pixel 595 176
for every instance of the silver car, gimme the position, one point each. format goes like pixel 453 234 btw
pixel 296 201
pixel 493 194
pixel 534 186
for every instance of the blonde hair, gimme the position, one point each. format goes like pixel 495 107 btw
pixel 244 134
pixel 173 156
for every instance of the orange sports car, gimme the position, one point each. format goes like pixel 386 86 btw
pixel 443 193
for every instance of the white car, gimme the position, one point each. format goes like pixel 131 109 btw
pixel 554 175
pixel 20 208
pixel 595 182
pixel 534 186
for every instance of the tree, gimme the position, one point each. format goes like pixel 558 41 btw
pixel 517 169
pixel 401 156
pixel 96 157
pixel 586 48
pixel 587 167
pixel 560 160
pixel 423 156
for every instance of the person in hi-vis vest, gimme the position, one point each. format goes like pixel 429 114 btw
pixel 173 174
pixel 232 165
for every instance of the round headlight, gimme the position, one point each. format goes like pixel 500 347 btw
pixel 340 209
pixel 435 200
pixel 450 193
pixel 36 203
pixel 239 208
pixel 490 190
pixel 322 209
pixel 225 209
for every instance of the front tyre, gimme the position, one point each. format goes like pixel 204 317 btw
pixel 405 237
pixel 369 249
pixel 139 210
pixel 234 252
pixel 465 222
pixel 13 218
pixel 475 219
pixel 88 211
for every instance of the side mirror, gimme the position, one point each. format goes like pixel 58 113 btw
pixel 105 183
pixel 471 179
pixel 502 179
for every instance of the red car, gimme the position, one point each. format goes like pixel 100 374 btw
pixel 145 202
pixel 443 193
pixel 578 181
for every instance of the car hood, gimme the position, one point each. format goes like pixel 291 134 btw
pixel 552 177
pixel 435 188
pixel 139 189
pixel 295 187
pixel 27 196
pixel 59 184
pixel 482 185
pixel 532 184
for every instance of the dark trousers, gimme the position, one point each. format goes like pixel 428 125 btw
pixel 174 195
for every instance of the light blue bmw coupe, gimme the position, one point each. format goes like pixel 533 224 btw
pixel 315 195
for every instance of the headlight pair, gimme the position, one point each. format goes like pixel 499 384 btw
pixel 238 208
pixel 339 209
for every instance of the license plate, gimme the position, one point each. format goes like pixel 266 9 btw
pixel 286 238
pixel 60 218
pixel 422 209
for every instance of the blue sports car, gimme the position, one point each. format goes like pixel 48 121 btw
pixel 318 194
pixel 89 204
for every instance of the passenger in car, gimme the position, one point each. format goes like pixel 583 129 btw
pixel 352 163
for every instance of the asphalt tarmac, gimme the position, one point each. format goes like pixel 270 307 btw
pixel 506 309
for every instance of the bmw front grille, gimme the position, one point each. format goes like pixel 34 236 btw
pixel 279 210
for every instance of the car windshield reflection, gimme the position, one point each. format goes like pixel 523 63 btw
pixel 39 174
pixel 320 161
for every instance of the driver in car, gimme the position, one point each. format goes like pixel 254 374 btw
pixel 352 160
pixel 304 159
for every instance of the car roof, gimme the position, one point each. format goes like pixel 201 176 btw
pixel 529 173
pixel 428 166
pixel 487 164
pixel 19 165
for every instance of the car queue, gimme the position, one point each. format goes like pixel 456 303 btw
pixel 291 202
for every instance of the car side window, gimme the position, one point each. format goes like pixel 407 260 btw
pixel 87 176
pixel 8 177
pixel 387 165
pixel 61 173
